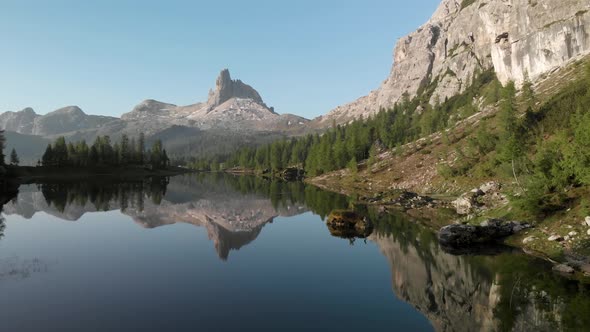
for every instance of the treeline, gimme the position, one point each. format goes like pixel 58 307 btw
pixel 543 149
pixel 552 143
pixel 102 152
pixel 345 146
pixel 105 195
pixel 14 159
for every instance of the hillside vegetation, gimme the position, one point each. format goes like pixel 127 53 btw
pixel 534 141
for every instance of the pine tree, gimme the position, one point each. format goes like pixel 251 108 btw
pixel 48 157
pixel 124 151
pixel 60 152
pixel 2 146
pixel 509 137
pixel 14 158
pixel 141 149
pixel 156 155
pixel 93 157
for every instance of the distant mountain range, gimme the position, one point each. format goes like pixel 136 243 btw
pixel 234 115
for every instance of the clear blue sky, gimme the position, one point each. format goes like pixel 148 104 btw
pixel 304 57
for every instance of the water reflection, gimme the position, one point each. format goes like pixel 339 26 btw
pixel 505 292
pixel 232 209
pixel 500 291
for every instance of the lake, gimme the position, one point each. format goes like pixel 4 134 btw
pixel 223 253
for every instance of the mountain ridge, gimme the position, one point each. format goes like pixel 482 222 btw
pixel 519 39
pixel 233 107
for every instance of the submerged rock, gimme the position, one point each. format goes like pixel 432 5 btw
pixel 491 230
pixel 348 224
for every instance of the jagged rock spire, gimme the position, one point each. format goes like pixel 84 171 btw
pixel 226 88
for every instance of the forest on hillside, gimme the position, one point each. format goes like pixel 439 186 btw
pixel 544 145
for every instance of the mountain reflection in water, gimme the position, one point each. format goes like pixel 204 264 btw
pixel 502 292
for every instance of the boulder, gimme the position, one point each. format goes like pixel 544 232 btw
pixel 485 197
pixel 463 205
pixel 528 239
pixel 348 224
pixel 563 268
pixel 587 221
pixel 489 187
pixel 555 238
pixel 491 230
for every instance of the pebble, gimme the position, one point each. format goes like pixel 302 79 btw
pixel 573 233
pixel 587 221
pixel 555 238
pixel 588 231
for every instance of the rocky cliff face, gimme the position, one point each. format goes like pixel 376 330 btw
pixel 21 122
pixel 226 89
pixel 517 38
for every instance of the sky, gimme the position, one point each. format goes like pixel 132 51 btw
pixel 304 57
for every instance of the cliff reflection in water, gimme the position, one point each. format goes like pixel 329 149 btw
pixel 232 209
pixel 509 291
pixel 506 292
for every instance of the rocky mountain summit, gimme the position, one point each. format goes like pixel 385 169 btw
pixel 232 105
pixel 233 109
pixel 226 89
pixel 517 38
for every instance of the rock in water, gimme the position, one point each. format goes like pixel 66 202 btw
pixel 292 174
pixel 491 230
pixel 348 224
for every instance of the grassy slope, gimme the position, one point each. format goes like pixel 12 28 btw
pixel 415 167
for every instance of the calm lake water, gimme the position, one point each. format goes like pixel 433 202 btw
pixel 224 253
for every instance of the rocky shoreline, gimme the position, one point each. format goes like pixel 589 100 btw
pixel 464 236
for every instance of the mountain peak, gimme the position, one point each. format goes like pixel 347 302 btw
pixel 226 88
pixel 72 110
pixel 28 110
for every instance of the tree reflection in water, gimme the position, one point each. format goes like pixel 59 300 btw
pixel 497 291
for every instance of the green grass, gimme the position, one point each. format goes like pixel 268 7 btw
pixel 467 3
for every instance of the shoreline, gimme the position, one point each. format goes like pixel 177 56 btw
pixel 515 240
